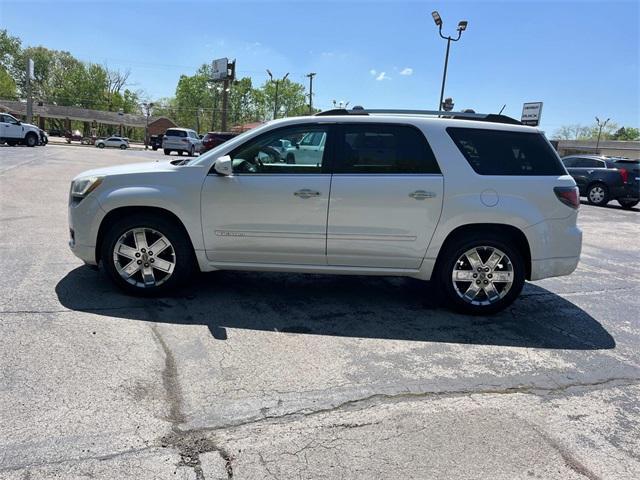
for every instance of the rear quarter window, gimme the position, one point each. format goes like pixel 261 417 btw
pixel 498 152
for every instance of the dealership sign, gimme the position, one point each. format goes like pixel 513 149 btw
pixel 531 113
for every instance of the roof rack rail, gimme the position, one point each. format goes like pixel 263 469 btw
pixel 482 117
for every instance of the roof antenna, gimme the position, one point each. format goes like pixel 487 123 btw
pixel 503 106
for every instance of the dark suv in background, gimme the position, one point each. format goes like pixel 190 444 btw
pixel 213 139
pixel 602 179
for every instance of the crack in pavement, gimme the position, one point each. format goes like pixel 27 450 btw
pixel 190 444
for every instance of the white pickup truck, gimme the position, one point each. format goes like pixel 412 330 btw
pixel 13 131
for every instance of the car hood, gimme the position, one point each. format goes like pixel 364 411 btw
pixel 146 167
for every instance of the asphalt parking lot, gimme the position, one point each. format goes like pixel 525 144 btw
pixel 261 375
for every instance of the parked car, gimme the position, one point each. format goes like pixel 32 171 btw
pixel 602 179
pixel 304 151
pixel 213 139
pixel 113 142
pixel 14 132
pixel 155 141
pixel 375 203
pixel 55 132
pixel 74 136
pixel 181 140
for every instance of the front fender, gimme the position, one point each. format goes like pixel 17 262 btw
pixel 183 203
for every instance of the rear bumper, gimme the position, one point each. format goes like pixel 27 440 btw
pixel 553 267
pixel 627 192
pixel 555 247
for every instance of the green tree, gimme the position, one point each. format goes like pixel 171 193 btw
pixel 8 88
pixel 626 133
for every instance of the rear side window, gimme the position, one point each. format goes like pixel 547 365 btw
pixel 383 149
pixel 497 152
pixel 175 133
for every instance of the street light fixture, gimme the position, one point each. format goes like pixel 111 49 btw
pixel 462 26
pixel 601 125
pixel 275 102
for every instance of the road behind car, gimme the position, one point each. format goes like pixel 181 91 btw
pixel 264 375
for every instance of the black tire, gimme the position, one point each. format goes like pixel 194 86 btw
pixel 598 194
pixel 192 152
pixel 154 148
pixel 167 152
pixel 180 153
pixel 448 260
pixel 184 257
pixel 101 145
pixel 123 147
pixel 628 204
pixel 12 143
pixel 31 140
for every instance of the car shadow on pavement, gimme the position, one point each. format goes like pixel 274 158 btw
pixel 346 306
pixel 612 205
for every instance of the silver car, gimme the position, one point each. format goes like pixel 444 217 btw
pixel 181 140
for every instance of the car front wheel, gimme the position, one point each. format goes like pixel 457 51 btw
pixel 481 274
pixel 147 255
pixel 123 147
pixel 598 194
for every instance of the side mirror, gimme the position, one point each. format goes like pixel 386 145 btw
pixel 18 122
pixel 223 165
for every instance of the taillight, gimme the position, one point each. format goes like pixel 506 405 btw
pixel 568 195
pixel 624 174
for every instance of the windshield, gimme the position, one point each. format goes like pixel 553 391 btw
pixel 228 145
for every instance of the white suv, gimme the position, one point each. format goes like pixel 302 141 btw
pixel 181 140
pixel 476 203
pixel 13 131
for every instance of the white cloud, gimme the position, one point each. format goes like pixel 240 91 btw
pixel 382 76
pixel 407 71
pixel 373 72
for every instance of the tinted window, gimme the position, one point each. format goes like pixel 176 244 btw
pixel 569 162
pixel 176 133
pixel 589 163
pixel 278 151
pixel 375 148
pixel 497 152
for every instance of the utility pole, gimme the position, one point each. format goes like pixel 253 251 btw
pixel 310 76
pixel 30 77
pixel 601 125
pixel 147 106
pixel 225 93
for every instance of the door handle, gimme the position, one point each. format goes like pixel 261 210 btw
pixel 421 195
pixel 306 193
pixel 589 172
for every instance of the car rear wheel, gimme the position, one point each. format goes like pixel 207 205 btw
pixel 101 145
pixel 628 204
pixel 481 274
pixel 598 194
pixel 12 143
pixel 147 255
pixel 123 147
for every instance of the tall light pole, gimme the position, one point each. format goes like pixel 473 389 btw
pixel 462 26
pixel 601 125
pixel 275 103
pixel 310 77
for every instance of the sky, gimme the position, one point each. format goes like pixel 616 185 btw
pixel 580 58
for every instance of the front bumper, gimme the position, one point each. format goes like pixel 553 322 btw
pixel 84 222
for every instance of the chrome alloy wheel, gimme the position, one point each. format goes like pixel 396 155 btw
pixel 144 257
pixel 596 194
pixel 482 275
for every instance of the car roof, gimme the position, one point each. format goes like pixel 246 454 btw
pixel 415 119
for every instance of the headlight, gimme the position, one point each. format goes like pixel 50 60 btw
pixel 84 186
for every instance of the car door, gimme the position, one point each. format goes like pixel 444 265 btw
pixel 111 142
pixel 268 211
pixel 10 127
pixel 386 197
